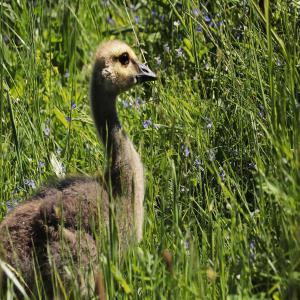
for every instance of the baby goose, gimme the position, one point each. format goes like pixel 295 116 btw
pixel 34 228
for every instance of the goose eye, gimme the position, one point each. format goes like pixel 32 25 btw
pixel 124 59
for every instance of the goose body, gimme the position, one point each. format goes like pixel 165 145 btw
pixel 38 225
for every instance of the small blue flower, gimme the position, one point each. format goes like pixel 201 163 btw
pixel 154 13
pixel 207 19
pixel 222 174
pixel 67 75
pixel 41 164
pixel 186 151
pixel 47 130
pixel 11 204
pixel 68 118
pixel 261 111
pixel 147 123
pixel 30 183
pixel 196 12
pixel 197 162
pixel 125 104
pixel 179 52
pixel 199 28
pixel 73 105
pixel 137 19
pixel 138 102
pixel 110 20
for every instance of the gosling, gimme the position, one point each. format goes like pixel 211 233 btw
pixel 33 230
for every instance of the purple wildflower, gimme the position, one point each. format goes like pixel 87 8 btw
pixel 154 13
pixel 47 130
pixel 196 12
pixel 30 183
pixel 137 19
pixel 261 112
pixel 73 105
pixel 207 19
pixel 179 52
pixel 41 164
pixel 11 204
pixel 222 174
pixel 147 123
pixel 139 102
pixel 110 20
pixel 68 118
pixel 199 28
pixel 186 151
pixel 125 104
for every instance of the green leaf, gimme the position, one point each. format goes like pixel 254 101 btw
pixel 118 276
pixel 61 117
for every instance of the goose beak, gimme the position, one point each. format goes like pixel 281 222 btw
pixel 145 74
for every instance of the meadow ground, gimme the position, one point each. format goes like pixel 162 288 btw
pixel 218 134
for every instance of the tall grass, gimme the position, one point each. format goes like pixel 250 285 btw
pixel 220 145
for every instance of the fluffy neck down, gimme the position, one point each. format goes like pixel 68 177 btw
pixel 125 172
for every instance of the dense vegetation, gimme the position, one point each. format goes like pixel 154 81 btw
pixel 218 133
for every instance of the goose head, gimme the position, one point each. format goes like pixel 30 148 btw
pixel 117 68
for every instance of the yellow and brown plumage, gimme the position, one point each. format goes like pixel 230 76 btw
pixel 69 208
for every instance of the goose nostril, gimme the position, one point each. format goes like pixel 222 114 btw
pixel 145 70
pixel 145 74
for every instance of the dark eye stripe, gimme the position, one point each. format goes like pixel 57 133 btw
pixel 124 58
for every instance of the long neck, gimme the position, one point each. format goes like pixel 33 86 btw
pixel 105 114
pixel 125 172
pixel 119 148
